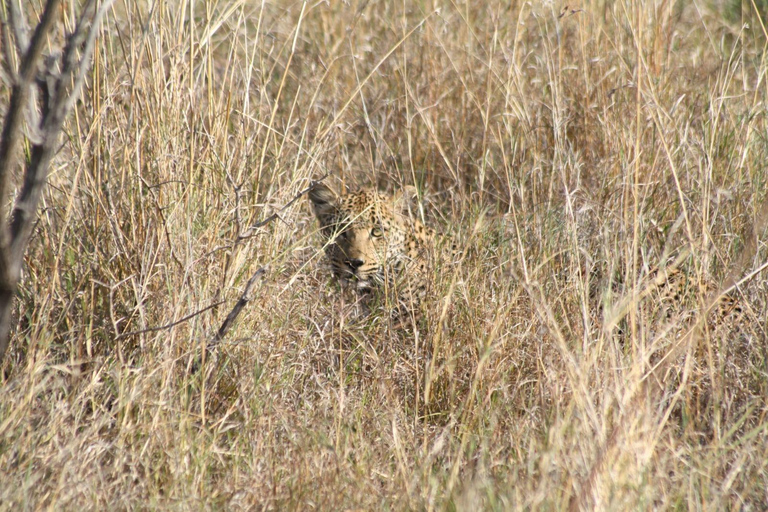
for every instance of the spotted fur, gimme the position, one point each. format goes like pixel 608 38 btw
pixel 672 290
pixel 374 243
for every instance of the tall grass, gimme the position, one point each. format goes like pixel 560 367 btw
pixel 568 153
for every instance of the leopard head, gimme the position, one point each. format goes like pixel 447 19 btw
pixel 369 236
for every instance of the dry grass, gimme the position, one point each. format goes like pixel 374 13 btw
pixel 568 154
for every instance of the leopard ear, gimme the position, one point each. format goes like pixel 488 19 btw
pixel 407 201
pixel 325 202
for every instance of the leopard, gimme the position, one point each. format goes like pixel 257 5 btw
pixel 704 341
pixel 672 289
pixel 375 243
pixel 672 299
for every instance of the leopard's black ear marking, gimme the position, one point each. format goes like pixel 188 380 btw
pixel 325 203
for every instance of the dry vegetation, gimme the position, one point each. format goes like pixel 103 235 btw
pixel 567 152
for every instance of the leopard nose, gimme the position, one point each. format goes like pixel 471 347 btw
pixel 355 263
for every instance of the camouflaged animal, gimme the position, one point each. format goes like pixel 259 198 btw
pixel 673 291
pixel 374 244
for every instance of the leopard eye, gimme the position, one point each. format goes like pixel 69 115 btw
pixel 376 232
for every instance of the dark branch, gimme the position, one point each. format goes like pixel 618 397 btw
pixel 59 93
pixel 171 325
pixel 19 100
pixel 245 298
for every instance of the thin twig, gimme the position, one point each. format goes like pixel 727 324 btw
pixel 171 325
pixel 245 298
pixel 251 230
pixel 164 222
pixel 87 52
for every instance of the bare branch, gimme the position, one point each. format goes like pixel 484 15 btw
pixel 59 92
pixel 251 230
pixel 245 298
pixel 170 325
pixel 11 134
pixel 37 174
pixel 29 61
pixel 85 59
